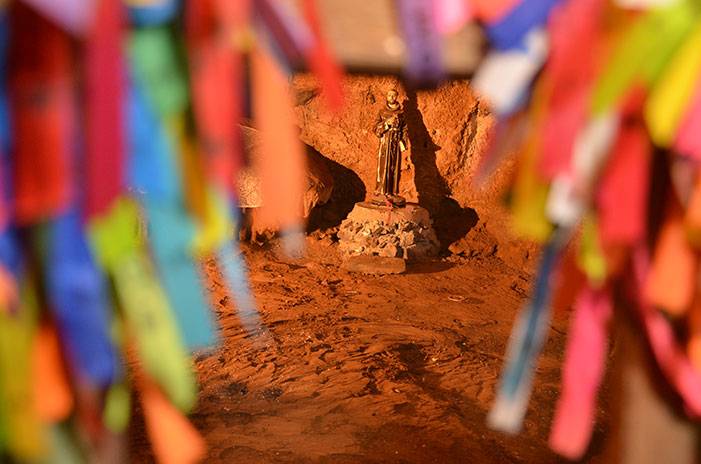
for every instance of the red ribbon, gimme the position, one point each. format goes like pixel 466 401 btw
pixel 41 105
pixel 585 363
pixel 105 122
pixel 321 61
pixel 574 31
pixel 217 70
pixel 622 196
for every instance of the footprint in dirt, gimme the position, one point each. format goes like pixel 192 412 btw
pixel 234 418
pixel 412 356
pixel 272 393
pixel 237 389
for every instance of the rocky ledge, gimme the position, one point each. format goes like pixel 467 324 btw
pixel 386 231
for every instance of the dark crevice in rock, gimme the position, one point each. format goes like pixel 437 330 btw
pixel 348 190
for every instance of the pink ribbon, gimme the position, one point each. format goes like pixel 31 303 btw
pixel 105 126
pixel 451 15
pixel 582 373
pixel 573 30
pixel 689 133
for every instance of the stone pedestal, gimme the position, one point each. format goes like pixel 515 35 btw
pixel 392 232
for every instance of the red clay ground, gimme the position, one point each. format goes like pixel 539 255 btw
pixel 371 369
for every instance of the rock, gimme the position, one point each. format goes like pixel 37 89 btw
pixel 461 247
pixel 388 232
pixel 480 246
pixel 249 189
pixel 318 191
pixel 408 237
pixel 319 180
pixel 391 251
pixel 314 266
pixel 418 250
pixel 375 265
pixel 382 216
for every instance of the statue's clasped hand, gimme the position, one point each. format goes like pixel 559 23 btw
pixel 392 123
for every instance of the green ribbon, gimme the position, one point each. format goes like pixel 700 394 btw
pixel 144 303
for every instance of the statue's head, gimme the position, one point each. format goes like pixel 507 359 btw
pixel 392 96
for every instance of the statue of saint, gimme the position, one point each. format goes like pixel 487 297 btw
pixel 390 127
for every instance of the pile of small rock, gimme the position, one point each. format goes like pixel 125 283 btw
pixel 398 239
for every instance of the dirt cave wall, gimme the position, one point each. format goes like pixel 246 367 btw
pixel 447 130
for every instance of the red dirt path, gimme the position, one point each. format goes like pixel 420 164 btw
pixel 370 369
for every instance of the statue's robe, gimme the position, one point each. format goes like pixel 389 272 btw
pixel 389 154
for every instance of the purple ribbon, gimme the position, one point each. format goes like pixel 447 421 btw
pixel 288 37
pixel 424 65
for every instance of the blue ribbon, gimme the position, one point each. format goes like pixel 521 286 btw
pixel 171 233
pixel 155 15
pixel 153 173
pixel 233 267
pixel 525 344
pixel 10 255
pixel 152 167
pixel 77 293
pixel 510 31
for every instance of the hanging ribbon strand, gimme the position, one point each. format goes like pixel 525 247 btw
pixel 106 80
pixel 120 148
pixel 610 86
pixel 424 63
